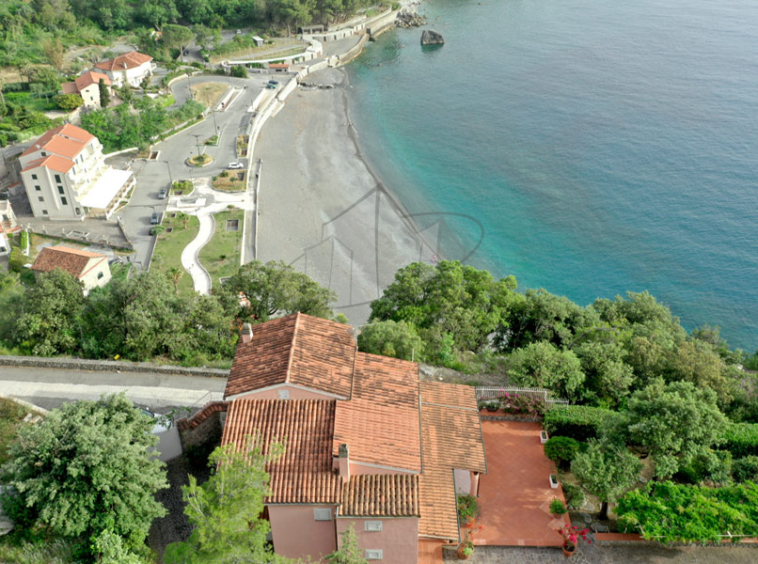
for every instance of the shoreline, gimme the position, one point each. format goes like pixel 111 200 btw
pixel 323 209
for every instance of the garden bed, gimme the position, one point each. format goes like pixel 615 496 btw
pixel 182 188
pixel 221 256
pixel 234 181
pixel 242 145
pixel 200 160
pixel 168 249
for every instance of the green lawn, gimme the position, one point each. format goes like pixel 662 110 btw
pixel 30 102
pixel 226 244
pixel 120 271
pixel 168 250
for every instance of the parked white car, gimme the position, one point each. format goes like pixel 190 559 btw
pixel 235 165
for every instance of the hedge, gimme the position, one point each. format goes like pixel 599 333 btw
pixel 579 422
pixel 741 439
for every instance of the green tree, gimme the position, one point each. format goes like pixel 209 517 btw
pixel 239 71
pixel 542 365
pixel 47 315
pixel 606 471
pixel 176 36
pixel 110 549
pixel 349 551
pixel 54 51
pixel 609 378
pixel 125 93
pixel 390 338
pixel 676 422
pixel 86 468
pixel 105 95
pixel 696 361
pixel 226 510
pixel 448 298
pixel 275 288
pixel 68 102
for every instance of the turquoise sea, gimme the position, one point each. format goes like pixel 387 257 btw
pixel 602 146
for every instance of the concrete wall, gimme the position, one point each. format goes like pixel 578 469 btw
pixel 297 534
pixel 169 443
pixel 462 481
pixel 97 276
pixel 398 539
pixel 109 366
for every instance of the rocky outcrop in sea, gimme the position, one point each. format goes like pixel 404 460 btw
pixel 409 18
pixel 431 37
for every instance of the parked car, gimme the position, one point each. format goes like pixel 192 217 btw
pixel 271 86
pixel 274 82
pixel 235 165
pixel 155 219
pixel 239 31
pixel 162 193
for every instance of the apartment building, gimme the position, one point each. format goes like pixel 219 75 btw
pixel 66 178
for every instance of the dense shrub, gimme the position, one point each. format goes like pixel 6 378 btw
pixel 468 508
pixel 745 469
pixel 741 439
pixel 562 450
pixel 524 404
pixel 574 495
pixel 577 421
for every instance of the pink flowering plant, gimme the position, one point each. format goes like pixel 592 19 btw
pixel 515 403
pixel 571 535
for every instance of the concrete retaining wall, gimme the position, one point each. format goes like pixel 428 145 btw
pixel 354 52
pixel 382 23
pixel 109 366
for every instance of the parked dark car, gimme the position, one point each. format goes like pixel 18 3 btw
pixel 155 219
pixel 162 193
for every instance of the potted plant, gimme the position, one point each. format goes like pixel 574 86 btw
pixel 554 481
pixel 557 508
pixel 492 406
pixel 468 510
pixel 571 535
pixel 465 550
pixel 543 437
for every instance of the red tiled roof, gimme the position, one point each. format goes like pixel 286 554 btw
pixel 452 438
pixel 71 260
pixel 66 140
pixel 303 474
pixel 381 421
pixel 298 349
pixel 130 60
pixel 53 162
pixel 381 495
pixel 89 78
pixel 69 88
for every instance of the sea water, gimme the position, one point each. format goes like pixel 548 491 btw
pixel 589 147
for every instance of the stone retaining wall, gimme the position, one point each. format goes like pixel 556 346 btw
pixel 205 426
pixel 109 366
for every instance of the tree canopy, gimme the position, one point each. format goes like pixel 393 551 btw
pixel 86 469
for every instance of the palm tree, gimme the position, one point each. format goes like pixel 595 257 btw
pixel 175 274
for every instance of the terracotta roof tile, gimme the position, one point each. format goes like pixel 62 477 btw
pixel 303 474
pixel 452 438
pixel 68 141
pixel 385 380
pixel 453 395
pixel 53 162
pixel 381 495
pixel 71 260
pixel 89 78
pixel 69 88
pixel 296 349
pixel 129 60
pixel 384 435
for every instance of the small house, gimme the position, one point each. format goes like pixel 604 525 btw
pixel 90 268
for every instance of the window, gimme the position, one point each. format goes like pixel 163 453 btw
pixel 100 275
pixel 44 212
pixel 43 153
pixel 58 178
pixel 374 554
pixel 322 514
pixel 41 199
pixel 284 394
pixel 60 190
pixel 38 189
pixel 34 177
pixel 77 211
pixel 372 526
pixel 64 201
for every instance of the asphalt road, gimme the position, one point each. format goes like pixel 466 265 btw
pixel 153 175
pixel 50 387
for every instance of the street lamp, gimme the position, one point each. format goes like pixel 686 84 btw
pixel 168 166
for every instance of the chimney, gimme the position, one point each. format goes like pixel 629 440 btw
pixel 247 332
pixel 344 462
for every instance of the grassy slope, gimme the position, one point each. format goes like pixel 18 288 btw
pixel 228 243
pixel 168 251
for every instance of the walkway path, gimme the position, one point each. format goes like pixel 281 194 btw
pixel 50 387
pixel 200 277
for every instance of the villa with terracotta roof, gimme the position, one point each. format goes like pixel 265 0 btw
pixel 88 87
pixel 367 443
pixel 130 67
pixel 65 176
pixel 88 267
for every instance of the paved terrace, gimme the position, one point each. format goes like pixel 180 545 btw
pixel 515 494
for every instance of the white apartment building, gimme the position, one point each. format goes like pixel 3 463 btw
pixel 130 67
pixel 65 176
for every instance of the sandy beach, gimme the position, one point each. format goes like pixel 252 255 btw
pixel 322 209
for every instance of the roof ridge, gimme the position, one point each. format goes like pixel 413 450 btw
pixel 292 348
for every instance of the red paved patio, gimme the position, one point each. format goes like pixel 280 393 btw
pixel 515 494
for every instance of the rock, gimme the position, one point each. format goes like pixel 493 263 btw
pixel 642 480
pixel 586 517
pixel 599 528
pixel 408 18
pixel 431 37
